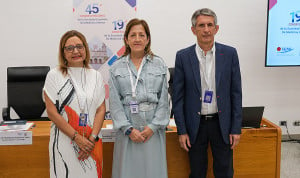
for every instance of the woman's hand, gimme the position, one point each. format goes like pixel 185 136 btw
pixel 83 156
pixel 86 146
pixel 136 136
pixel 147 133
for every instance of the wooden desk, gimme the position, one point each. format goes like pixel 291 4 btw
pixel 257 155
pixel 27 160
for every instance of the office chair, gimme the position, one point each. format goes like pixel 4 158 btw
pixel 170 89
pixel 24 92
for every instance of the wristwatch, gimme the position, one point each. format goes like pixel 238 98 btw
pixel 95 137
pixel 128 131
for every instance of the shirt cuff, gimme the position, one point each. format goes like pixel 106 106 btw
pixel 153 127
pixel 124 129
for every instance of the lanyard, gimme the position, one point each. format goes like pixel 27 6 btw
pixel 133 86
pixel 81 95
pixel 82 101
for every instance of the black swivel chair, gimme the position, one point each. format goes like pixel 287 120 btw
pixel 24 92
pixel 170 89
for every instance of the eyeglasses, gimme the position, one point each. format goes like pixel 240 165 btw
pixel 71 48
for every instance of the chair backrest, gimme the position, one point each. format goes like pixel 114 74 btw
pixel 170 89
pixel 24 90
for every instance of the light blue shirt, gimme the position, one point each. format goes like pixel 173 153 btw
pixel 207 75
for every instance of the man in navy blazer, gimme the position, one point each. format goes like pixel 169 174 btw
pixel 207 98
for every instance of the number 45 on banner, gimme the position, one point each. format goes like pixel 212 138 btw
pixel 92 8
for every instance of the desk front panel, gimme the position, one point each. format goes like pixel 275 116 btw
pixel 257 155
pixel 30 161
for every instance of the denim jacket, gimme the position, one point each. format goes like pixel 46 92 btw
pixel 151 94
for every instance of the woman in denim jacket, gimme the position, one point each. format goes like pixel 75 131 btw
pixel 139 107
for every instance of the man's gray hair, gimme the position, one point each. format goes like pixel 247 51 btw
pixel 204 11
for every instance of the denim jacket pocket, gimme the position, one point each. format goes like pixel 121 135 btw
pixel 155 76
pixel 123 79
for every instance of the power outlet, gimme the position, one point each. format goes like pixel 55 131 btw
pixel 296 123
pixel 282 123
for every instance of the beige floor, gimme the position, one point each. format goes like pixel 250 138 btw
pixel 290 160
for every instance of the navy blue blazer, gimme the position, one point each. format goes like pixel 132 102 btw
pixel 186 98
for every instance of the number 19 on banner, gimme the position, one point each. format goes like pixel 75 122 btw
pixel 118 25
pixel 295 16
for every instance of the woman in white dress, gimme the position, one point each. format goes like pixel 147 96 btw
pixel 138 102
pixel 74 97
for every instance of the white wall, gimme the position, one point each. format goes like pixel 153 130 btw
pixel 31 30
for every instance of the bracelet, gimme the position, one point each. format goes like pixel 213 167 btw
pixel 96 138
pixel 74 136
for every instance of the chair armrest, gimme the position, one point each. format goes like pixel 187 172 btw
pixel 6 114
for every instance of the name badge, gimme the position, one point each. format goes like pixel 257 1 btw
pixel 83 119
pixel 134 107
pixel 208 96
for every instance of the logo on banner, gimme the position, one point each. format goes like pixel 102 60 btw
pixel 295 16
pixel 90 13
pixel 117 31
pixel 284 49
pixel 119 26
pixel 93 8
pixel 103 23
pixel 100 53
pixel 295 19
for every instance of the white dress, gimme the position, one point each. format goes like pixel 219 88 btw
pixel 63 152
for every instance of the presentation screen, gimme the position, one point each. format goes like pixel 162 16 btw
pixel 283 33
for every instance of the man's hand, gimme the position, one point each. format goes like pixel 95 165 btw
pixel 184 141
pixel 234 140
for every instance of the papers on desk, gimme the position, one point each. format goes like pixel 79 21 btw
pixel 20 137
pixel 172 123
pixel 16 134
pixel 108 134
pixel 26 126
